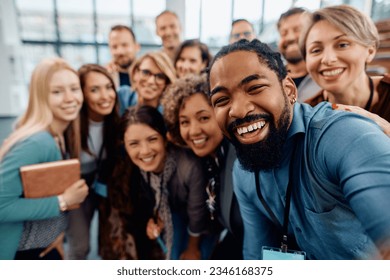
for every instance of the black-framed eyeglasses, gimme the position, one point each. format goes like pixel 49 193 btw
pixel 246 34
pixel 159 78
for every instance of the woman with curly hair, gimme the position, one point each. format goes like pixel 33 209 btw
pixel 191 122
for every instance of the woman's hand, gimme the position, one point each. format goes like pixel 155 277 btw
pixel 153 230
pixel 385 125
pixel 76 193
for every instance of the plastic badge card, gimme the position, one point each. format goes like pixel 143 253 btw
pixel 271 253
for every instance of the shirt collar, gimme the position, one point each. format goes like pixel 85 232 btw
pixel 297 124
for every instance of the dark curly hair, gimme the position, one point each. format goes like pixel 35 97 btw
pixel 265 54
pixel 174 98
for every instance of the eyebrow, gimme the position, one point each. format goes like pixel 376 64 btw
pixel 335 38
pixel 243 82
pixel 196 113
pixel 250 79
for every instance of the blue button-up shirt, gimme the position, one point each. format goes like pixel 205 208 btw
pixel 340 191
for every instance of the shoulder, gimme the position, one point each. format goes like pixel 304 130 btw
pixel 315 99
pixel 185 158
pixel 40 140
pixel 335 133
pixel 39 145
pixel 386 78
pixel 187 163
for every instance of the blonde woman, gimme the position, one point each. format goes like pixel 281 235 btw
pixel 337 44
pixel 150 75
pixel 47 131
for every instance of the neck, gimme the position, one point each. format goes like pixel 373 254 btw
pixel 171 52
pixel 95 117
pixel 297 70
pixel 357 94
pixel 153 103
pixel 58 127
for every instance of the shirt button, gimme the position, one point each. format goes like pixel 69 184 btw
pixel 298 229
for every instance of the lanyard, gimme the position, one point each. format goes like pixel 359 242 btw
pixel 288 200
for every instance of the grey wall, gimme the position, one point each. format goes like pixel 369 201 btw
pixel 6 127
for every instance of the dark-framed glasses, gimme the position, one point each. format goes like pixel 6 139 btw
pixel 159 78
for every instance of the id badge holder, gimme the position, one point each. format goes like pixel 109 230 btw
pixel 100 188
pixel 273 253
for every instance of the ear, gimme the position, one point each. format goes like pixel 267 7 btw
pixel 290 89
pixel 137 47
pixel 371 54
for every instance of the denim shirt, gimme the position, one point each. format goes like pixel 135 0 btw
pixel 128 97
pixel 340 190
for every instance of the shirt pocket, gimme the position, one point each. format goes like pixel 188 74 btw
pixel 338 234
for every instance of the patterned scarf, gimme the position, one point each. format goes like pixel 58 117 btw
pixel 158 182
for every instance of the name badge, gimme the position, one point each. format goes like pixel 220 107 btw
pixel 272 253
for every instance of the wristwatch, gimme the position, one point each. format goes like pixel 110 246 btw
pixel 62 203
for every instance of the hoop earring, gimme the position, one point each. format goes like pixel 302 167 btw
pixel 293 100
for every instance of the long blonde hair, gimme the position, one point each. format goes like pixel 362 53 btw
pixel 38 115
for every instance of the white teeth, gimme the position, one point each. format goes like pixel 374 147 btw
pixel 251 127
pixel 148 159
pixel 332 72
pixel 105 105
pixel 199 141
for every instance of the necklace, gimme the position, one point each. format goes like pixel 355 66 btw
pixel 368 104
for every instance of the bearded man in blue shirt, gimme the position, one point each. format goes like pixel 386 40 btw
pixel 309 179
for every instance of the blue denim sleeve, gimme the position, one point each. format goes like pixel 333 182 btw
pixel 359 159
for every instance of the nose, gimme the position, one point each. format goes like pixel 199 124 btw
pixel 290 37
pixel 69 95
pixel 105 94
pixel 151 79
pixel 328 56
pixel 144 148
pixel 240 106
pixel 194 129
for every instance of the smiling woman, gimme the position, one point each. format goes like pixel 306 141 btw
pixel 99 127
pixel 47 131
pixel 160 189
pixel 338 43
pixel 191 122
pixel 150 75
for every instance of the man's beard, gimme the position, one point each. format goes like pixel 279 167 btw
pixel 123 62
pixel 295 58
pixel 266 154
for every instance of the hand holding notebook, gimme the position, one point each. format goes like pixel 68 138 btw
pixel 54 178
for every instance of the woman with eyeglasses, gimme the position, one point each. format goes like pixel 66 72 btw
pixel 150 75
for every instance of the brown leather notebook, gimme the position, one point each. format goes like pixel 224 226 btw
pixel 49 178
